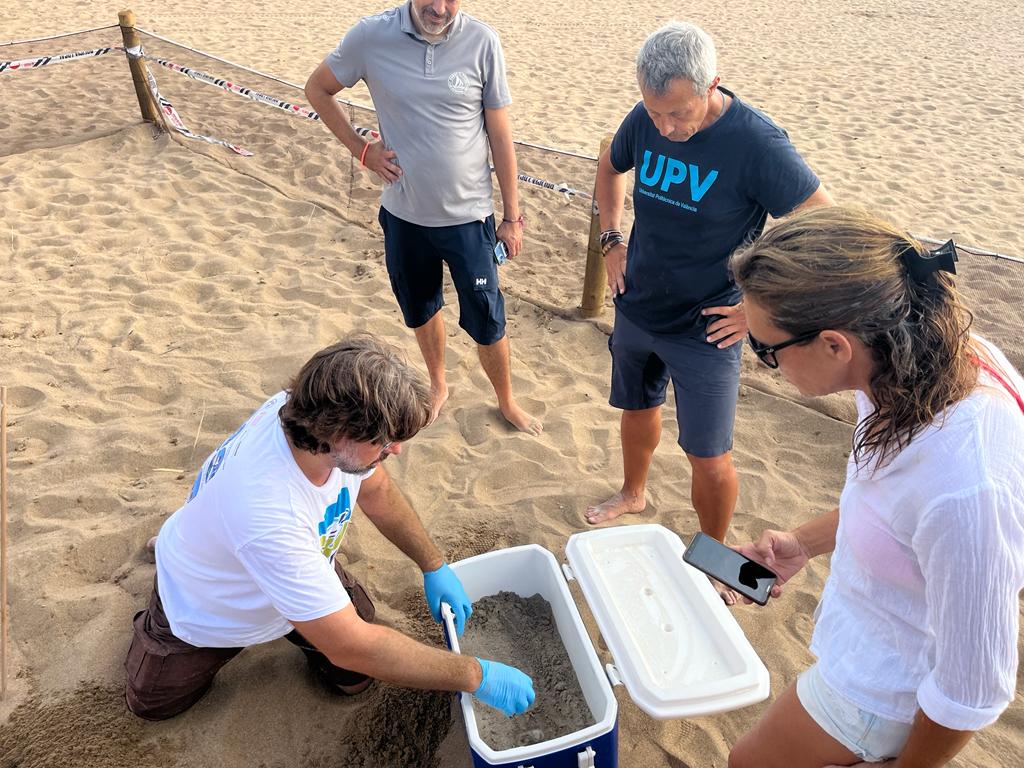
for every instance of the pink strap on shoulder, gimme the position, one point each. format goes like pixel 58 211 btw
pixel 998 377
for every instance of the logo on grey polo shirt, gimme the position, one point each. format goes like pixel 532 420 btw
pixel 458 82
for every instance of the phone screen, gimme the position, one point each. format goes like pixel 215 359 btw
pixel 731 568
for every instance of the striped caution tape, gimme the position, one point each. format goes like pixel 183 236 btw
pixel 249 93
pixel 172 117
pixel 42 61
pixel 562 187
pixel 176 122
pixel 241 90
pixel 297 109
pixel 306 112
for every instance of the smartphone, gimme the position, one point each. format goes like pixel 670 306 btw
pixel 750 579
pixel 500 254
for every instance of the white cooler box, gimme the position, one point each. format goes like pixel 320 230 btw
pixel 676 647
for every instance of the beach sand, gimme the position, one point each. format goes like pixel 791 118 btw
pixel 156 290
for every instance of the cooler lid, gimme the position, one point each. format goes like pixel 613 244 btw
pixel 677 648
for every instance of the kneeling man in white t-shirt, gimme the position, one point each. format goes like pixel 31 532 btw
pixel 250 557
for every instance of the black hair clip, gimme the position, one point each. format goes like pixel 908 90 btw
pixel 921 265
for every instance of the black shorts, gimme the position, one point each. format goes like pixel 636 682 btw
pixel 414 256
pixel 706 381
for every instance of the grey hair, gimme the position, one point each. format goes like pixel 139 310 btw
pixel 677 50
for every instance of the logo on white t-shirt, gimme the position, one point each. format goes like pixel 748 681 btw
pixel 335 522
pixel 458 82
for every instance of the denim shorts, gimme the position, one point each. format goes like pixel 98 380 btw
pixel 415 256
pixel 870 737
pixel 706 381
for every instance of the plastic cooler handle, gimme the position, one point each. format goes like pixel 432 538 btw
pixel 448 624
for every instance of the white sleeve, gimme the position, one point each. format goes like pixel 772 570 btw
pixel 970 547
pixel 299 581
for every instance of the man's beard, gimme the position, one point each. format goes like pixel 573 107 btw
pixel 347 463
pixel 432 25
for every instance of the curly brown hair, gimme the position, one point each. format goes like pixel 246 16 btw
pixel 360 389
pixel 841 269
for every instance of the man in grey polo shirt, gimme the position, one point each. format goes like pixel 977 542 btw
pixel 437 79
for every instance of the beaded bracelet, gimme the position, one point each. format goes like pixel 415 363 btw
pixel 609 234
pixel 609 239
pixel 520 221
pixel 611 243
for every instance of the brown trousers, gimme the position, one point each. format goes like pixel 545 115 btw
pixel 166 675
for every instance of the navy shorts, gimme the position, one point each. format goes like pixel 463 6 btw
pixel 414 257
pixel 706 381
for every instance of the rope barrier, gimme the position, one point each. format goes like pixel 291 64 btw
pixel 174 119
pixel 57 37
pixel 240 90
pixel 249 93
pixel 565 152
pixel 343 101
pixel 309 114
pixel 171 115
pixel 42 61
pixel 245 68
pixel 974 251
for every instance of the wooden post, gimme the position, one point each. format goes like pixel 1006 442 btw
pixel 3 542
pixel 149 109
pixel 595 281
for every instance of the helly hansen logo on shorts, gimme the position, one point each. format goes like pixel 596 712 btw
pixel 479 282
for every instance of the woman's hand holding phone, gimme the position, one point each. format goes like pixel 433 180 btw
pixel 779 551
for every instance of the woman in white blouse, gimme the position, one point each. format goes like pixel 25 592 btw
pixel 916 632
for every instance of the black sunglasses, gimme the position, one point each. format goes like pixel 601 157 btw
pixel 766 353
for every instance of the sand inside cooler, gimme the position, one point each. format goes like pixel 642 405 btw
pixel 522 632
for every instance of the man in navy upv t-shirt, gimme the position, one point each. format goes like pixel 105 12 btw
pixel 708 169
pixel 694 203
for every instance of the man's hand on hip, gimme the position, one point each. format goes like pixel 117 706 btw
pixel 615 266
pixel 381 161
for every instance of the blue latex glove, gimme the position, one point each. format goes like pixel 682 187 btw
pixel 505 688
pixel 443 585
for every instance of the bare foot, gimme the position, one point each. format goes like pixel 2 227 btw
pixel 619 504
pixel 729 597
pixel 438 396
pixel 521 420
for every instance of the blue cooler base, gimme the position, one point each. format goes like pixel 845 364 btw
pixel 606 755
pixel 528 570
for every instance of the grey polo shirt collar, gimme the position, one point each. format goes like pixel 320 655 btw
pixel 409 26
